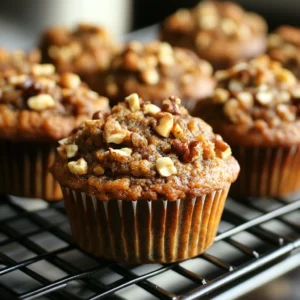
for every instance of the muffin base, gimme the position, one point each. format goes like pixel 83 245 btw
pixel 144 231
pixel 25 170
pixel 267 171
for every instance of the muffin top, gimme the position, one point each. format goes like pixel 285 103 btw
pixel 142 152
pixel 255 104
pixel 38 104
pixel 12 62
pixel 156 70
pixel 217 31
pixel 284 46
pixel 85 49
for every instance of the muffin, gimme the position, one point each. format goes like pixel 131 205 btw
pixel 220 32
pixel 85 50
pixel 256 108
pixel 144 184
pixel 284 46
pixel 37 108
pixel 155 71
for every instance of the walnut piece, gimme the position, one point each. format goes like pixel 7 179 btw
pixel 133 102
pixel 151 109
pixel 165 124
pixel 71 150
pixel 42 69
pixel 165 166
pixel 113 132
pixel 178 131
pixel 98 170
pixel 78 167
pixel 70 80
pixel 40 102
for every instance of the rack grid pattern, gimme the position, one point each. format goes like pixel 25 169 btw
pixel 39 261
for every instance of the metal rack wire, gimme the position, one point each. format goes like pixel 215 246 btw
pixel 39 261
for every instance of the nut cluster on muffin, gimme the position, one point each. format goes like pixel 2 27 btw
pixel 220 32
pixel 141 151
pixel 259 95
pixel 84 50
pixel 284 46
pixel 13 62
pixel 38 104
pixel 155 71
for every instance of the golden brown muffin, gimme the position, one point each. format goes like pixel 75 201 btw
pixel 37 108
pixel 144 184
pixel 256 108
pixel 156 71
pixel 220 32
pixel 85 50
pixel 284 46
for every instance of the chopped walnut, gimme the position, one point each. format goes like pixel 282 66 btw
pixel 40 102
pixel 78 167
pixel 165 166
pixel 113 132
pixel 165 124
pixel 134 102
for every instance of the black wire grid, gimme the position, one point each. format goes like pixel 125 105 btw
pixel 39 261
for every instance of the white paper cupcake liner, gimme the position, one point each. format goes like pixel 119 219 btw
pixel 134 232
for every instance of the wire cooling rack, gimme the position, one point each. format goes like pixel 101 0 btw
pixel 39 261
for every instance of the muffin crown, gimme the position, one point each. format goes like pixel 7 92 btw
pixel 223 19
pixel 140 141
pixel 36 100
pixel 86 48
pixel 258 92
pixel 142 68
pixel 284 46
pixel 17 61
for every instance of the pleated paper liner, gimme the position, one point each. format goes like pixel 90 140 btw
pixel 144 231
pixel 267 171
pixel 24 170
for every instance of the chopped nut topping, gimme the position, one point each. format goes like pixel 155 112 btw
pixel 71 150
pixel 70 80
pixel 222 149
pixel 122 151
pixel 78 167
pixel 165 166
pixel 64 141
pixel 40 102
pixel 42 70
pixel 178 131
pixel 220 96
pixel 17 79
pixel 134 102
pixel 245 99
pixel 98 170
pixel 113 132
pixel 112 89
pixel 150 76
pixel 235 85
pixel 151 109
pixel 285 113
pixel 264 98
pixel 229 27
pixel 165 124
